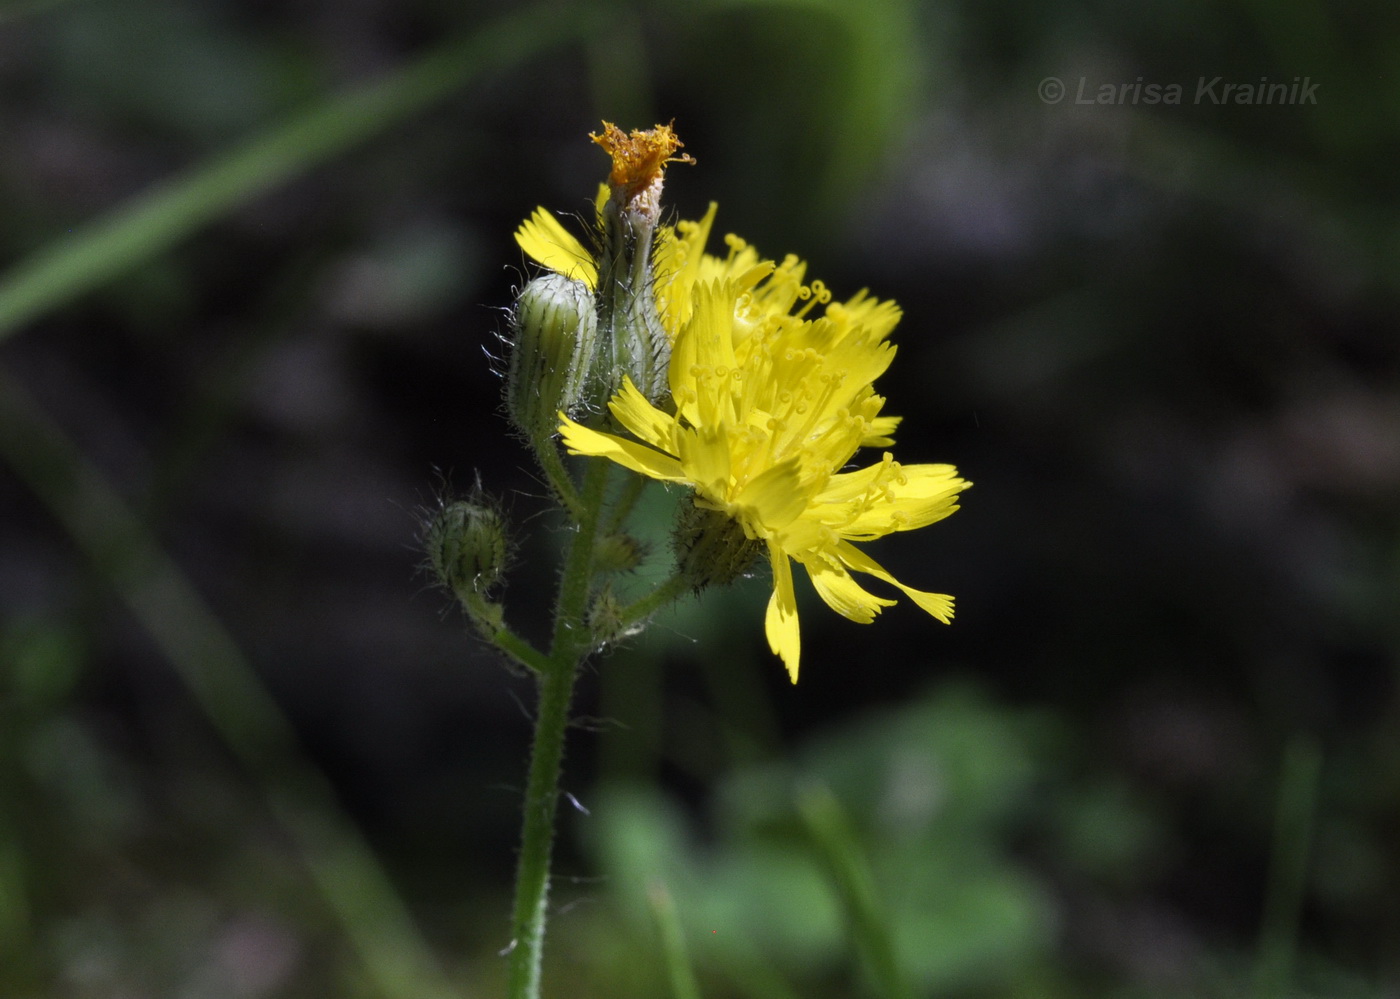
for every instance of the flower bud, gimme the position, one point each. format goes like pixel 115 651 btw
pixel 466 544
pixel 554 331
pixel 711 547
pixel 617 553
pixel 605 620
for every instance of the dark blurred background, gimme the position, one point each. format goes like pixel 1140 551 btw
pixel 247 749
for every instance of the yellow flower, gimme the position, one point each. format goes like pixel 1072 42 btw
pixel 770 405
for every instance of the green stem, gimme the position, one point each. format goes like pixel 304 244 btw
pixel 571 639
pixel 537 835
pixel 487 618
pixel 552 463
pixel 668 591
pixel 631 491
pixel 572 643
pixel 518 649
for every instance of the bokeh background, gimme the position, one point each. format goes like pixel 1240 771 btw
pixel 256 257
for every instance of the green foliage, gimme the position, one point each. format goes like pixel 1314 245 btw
pixel 937 792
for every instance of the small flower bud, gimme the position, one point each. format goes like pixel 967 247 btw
pixel 466 544
pixel 554 330
pixel 605 619
pixel 617 553
pixel 711 547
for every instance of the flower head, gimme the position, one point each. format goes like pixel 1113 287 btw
pixel 768 404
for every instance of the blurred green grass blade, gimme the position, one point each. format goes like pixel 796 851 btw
pixel 149 223
pixel 884 75
pixel 1288 868
pixel 673 949
pixel 342 866
pixel 16 938
pixel 836 844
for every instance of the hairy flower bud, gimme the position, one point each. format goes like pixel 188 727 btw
pixel 606 622
pixel 617 553
pixel 554 332
pixel 711 547
pixel 467 548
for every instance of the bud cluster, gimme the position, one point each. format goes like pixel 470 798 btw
pixel 574 341
pixel 578 332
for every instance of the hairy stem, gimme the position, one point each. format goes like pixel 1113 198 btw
pixel 537 836
pixel 552 463
pixel 572 643
pixel 672 588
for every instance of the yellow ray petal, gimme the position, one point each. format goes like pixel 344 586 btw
pixel 781 620
pixel 599 200
pixel 940 605
pixel 704 454
pixel 846 486
pixel 635 412
pixel 877 434
pixel 775 497
pixel 916 482
pixel 638 457
pixel 702 358
pixel 711 332
pixel 679 255
pixel 842 593
pixel 915 501
pixel 875 317
pixel 547 242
